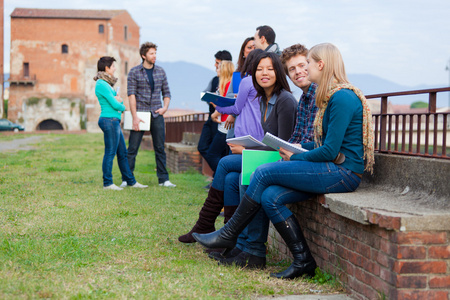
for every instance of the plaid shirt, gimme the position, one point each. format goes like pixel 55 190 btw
pixel 306 112
pixel 139 85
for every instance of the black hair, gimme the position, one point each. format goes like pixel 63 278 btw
pixel 249 62
pixel 105 61
pixel 267 32
pixel 223 55
pixel 281 81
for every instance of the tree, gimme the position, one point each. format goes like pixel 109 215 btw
pixel 419 104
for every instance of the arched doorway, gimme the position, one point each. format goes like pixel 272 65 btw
pixel 49 125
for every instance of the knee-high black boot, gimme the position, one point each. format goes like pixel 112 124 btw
pixel 226 237
pixel 304 263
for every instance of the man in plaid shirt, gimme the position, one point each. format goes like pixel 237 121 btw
pixel 294 61
pixel 146 83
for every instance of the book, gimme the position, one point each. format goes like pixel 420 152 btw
pixel 143 115
pixel 246 141
pixel 217 99
pixel 251 159
pixel 277 143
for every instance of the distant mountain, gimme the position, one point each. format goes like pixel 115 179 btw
pixel 371 84
pixel 186 81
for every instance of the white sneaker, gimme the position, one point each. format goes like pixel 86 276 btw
pixel 138 185
pixel 167 183
pixel 124 184
pixel 112 187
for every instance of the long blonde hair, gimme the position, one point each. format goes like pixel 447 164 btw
pixel 226 73
pixel 333 71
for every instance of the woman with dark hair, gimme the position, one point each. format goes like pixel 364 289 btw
pixel 246 107
pixel 247 46
pixel 277 112
pixel 111 110
pixel 343 124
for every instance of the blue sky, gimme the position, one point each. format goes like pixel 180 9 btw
pixel 407 42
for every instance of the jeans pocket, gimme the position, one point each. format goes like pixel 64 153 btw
pixel 339 187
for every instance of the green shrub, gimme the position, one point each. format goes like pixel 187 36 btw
pixel 33 101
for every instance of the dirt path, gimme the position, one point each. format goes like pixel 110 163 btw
pixel 20 144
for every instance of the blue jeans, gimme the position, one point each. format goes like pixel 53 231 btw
pixel 114 144
pixel 226 178
pixel 158 132
pixel 272 182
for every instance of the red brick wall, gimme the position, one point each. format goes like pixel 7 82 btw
pixel 372 261
pixel 38 41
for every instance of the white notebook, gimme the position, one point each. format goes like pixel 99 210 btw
pixel 143 115
pixel 277 143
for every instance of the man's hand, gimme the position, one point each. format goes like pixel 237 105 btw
pixel 161 111
pixel 236 149
pixel 136 122
pixel 229 122
pixel 215 116
pixel 285 154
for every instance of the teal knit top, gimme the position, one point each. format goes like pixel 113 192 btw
pixel 342 132
pixel 111 108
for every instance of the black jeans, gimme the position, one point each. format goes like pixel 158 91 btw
pixel 212 144
pixel 158 132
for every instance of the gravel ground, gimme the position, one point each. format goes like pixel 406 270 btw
pixel 19 144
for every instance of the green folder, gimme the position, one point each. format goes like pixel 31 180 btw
pixel 251 159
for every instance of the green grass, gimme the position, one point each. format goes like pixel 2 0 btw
pixel 63 236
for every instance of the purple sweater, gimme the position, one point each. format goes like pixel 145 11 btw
pixel 247 110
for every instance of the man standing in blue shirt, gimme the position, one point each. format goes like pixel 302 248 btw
pixel 146 83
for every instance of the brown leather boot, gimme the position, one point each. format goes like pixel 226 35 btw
pixel 207 216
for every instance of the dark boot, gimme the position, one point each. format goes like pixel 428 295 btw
pixel 245 260
pixel 228 212
pixel 226 237
pixel 207 215
pixel 217 255
pixel 304 263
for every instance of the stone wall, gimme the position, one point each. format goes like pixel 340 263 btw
pixel 390 239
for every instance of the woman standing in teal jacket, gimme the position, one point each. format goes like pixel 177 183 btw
pixel 112 107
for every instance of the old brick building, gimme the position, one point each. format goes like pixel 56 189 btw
pixel 54 56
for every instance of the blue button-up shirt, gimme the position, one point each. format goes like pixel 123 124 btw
pixel 139 85
pixel 306 112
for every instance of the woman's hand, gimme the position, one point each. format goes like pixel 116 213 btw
pixel 285 154
pixel 216 116
pixel 236 149
pixel 229 123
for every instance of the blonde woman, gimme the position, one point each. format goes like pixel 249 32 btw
pixel 226 70
pixel 342 125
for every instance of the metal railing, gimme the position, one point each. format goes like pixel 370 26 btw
pixel 416 134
